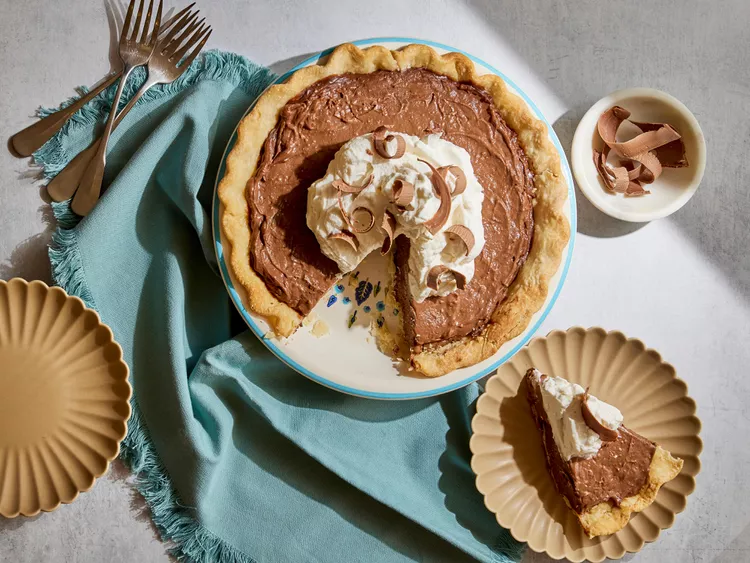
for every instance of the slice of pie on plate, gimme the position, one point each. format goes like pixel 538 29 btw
pixel 603 470
pixel 408 153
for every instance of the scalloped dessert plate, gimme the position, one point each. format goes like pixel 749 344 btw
pixel 509 461
pixel 347 359
pixel 64 397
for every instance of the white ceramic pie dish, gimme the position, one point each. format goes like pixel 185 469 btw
pixel 673 188
pixel 347 359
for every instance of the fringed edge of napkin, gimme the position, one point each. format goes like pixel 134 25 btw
pixel 175 523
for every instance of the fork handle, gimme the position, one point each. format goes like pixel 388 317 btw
pixel 64 185
pixel 35 135
pixel 91 183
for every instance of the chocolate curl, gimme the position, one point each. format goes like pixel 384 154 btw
pixel 608 124
pixel 347 237
pixel 634 189
pixel 380 143
pixel 343 187
pixel 649 168
pixel 606 434
pixel 463 233
pixel 344 214
pixel 389 226
pixel 459 185
pixel 615 179
pixel 403 193
pixel 440 187
pixel 671 155
pixel 644 142
pixel 433 277
pixel 368 224
pixel 642 164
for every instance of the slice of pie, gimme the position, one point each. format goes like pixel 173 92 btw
pixel 409 153
pixel 603 470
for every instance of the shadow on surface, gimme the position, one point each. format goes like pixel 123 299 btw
pixel 11 524
pixel 11 149
pixel 29 259
pixel 737 550
pixel 591 221
pixel 115 10
pixel 280 67
pixel 582 60
pixel 120 473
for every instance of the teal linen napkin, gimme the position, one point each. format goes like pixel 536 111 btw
pixel 240 458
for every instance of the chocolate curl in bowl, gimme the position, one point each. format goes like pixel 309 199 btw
pixel 671 155
pixel 640 163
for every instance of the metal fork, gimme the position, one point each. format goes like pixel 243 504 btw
pixel 134 52
pixel 28 140
pixel 166 65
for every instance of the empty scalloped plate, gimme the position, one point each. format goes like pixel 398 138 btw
pixel 508 458
pixel 64 397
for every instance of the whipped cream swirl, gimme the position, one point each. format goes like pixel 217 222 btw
pixel 573 437
pixel 355 163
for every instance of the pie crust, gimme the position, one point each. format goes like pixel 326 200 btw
pixel 526 294
pixel 604 518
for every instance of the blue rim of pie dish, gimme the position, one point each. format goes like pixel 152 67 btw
pixel 279 353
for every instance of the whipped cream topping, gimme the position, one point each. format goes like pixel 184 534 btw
pixel 355 163
pixel 573 437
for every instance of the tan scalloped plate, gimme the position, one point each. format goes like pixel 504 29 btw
pixel 507 452
pixel 64 397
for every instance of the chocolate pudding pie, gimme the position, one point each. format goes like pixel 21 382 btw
pixel 407 153
pixel 603 470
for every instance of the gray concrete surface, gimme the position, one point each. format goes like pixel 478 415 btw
pixel 681 284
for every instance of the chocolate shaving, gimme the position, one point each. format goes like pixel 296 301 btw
pixel 380 143
pixel 647 170
pixel 403 193
pixel 368 224
pixel 671 155
pixel 441 189
pixel 459 186
pixel 606 434
pixel 465 234
pixel 634 189
pixel 344 214
pixel 342 186
pixel 348 237
pixel 641 162
pixel 615 179
pixel 433 277
pixel 389 226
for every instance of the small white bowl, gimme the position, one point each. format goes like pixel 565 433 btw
pixel 673 188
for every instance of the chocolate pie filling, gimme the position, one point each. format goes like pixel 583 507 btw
pixel 313 126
